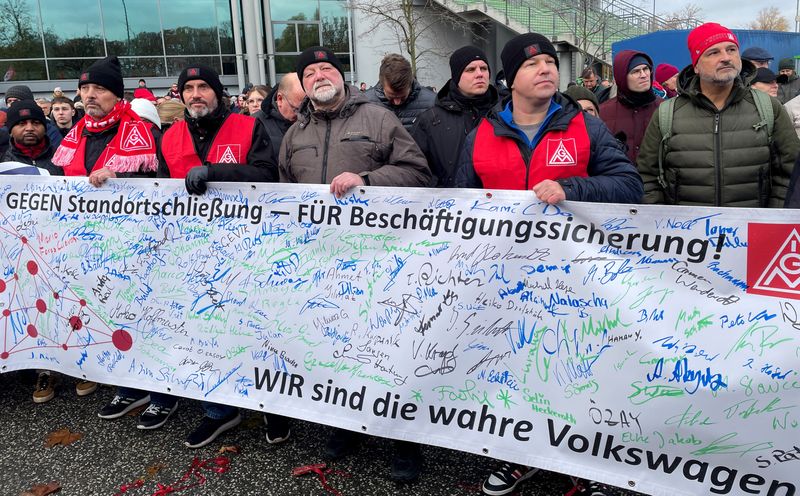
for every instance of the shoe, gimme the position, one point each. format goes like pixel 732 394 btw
pixel 82 388
pixel 120 405
pixel 209 429
pixel 278 429
pixel 155 416
pixel 406 463
pixel 45 387
pixel 505 479
pixel 341 443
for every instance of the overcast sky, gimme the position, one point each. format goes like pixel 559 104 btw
pixel 730 13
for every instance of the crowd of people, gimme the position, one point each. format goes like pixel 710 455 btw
pixel 720 132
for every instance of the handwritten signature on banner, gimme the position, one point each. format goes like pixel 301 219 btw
pixel 608 336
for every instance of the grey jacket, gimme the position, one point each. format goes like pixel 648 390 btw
pixel 359 137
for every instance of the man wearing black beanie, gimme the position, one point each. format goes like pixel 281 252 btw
pixel 212 144
pixel 542 140
pixel 468 96
pixel 29 142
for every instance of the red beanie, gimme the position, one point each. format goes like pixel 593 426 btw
pixel 664 72
pixel 144 93
pixel 706 35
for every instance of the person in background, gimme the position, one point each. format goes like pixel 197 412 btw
pixel 585 98
pixel 665 84
pixel 765 81
pixel 255 96
pixel 789 82
pixel 399 91
pixel 758 56
pixel 63 114
pixel 170 111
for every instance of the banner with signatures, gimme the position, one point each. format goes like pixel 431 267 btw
pixel 649 347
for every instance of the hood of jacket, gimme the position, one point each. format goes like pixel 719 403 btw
pixel 624 94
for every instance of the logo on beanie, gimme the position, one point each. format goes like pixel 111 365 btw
pixel 532 51
pixel 194 71
pixel 25 113
pixel 320 55
pixel 85 76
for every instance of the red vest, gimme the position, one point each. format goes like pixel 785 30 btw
pixel 230 146
pixel 560 154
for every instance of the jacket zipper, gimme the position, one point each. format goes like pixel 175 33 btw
pixel 325 152
pixel 717 161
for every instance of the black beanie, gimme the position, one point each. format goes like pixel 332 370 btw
pixel 22 111
pixel 312 56
pixel 521 48
pixel 202 72
pixel 106 73
pixel 638 60
pixel 20 92
pixel 461 58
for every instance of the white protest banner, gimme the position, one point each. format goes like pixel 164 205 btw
pixel 653 348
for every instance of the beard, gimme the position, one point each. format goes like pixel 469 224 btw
pixel 720 80
pixel 325 94
pixel 197 114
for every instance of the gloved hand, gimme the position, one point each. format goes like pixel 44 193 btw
pixel 196 180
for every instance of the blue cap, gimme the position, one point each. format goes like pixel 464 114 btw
pixel 756 53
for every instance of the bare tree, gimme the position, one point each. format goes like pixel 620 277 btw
pixel 411 22
pixel 685 18
pixel 770 19
pixel 594 28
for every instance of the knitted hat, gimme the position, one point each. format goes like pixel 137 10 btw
pixel 581 93
pixel 144 93
pixel 461 58
pixel 764 75
pixel 106 73
pixel 757 53
pixel 146 110
pixel 787 63
pixel 24 110
pixel 314 55
pixel 202 72
pixel 707 35
pixel 665 71
pixel 521 48
pixel 20 92
pixel 638 60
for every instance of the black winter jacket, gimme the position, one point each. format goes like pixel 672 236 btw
pixel 441 130
pixel 274 123
pixel 419 100
pixel 43 161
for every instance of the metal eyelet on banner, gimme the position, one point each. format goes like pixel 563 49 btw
pixel 485 451
pixel 364 428
pixel 169 390
pixel 362 191
pixel 632 483
pixel 634 211
pixel 252 186
pixel 261 405
pixel 488 195
pixel 155 184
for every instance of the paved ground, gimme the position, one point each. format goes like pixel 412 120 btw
pixel 112 454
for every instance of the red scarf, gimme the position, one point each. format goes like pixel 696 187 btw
pixel 132 149
pixel 31 152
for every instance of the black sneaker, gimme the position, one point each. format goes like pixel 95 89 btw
pixel 341 443
pixel 120 405
pixel 209 429
pixel 505 479
pixel 155 416
pixel 406 463
pixel 278 429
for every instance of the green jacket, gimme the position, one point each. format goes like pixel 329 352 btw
pixel 719 157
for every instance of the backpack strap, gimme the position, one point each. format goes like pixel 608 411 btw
pixel 665 113
pixel 765 112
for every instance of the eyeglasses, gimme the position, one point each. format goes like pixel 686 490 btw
pixel 294 109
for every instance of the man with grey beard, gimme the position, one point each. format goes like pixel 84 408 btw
pixel 718 143
pixel 343 140
pixel 211 143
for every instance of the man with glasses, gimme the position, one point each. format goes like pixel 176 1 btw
pixel 628 114
pixel 279 110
